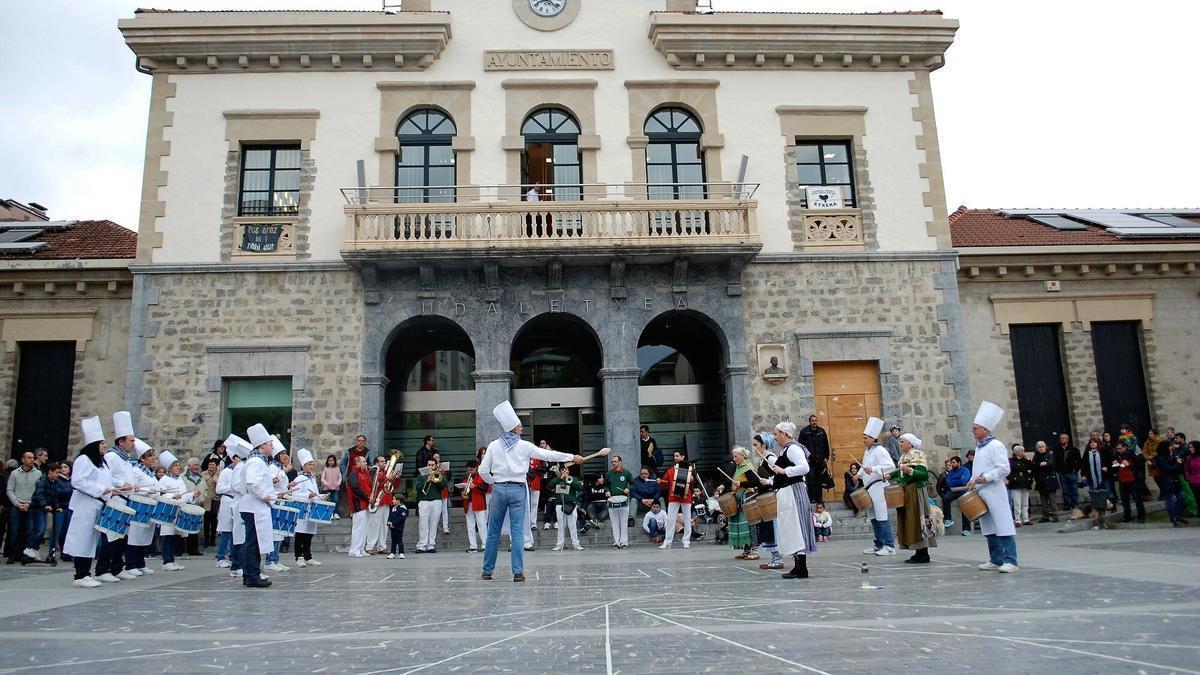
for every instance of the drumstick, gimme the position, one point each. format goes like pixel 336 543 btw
pixel 601 453
pixel 725 474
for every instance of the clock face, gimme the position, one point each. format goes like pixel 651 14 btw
pixel 547 7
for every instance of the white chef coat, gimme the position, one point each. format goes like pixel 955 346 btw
pixel 167 483
pixel 225 508
pixel 258 487
pixel 119 469
pixel 237 485
pixel 508 465
pixel 279 483
pixel 88 483
pixel 303 490
pixel 991 460
pixel 141 535
pixel 881 465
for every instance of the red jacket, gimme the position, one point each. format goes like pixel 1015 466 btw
pixel 535 482
pixel 479 489
pixel 358 489
pixel 667 482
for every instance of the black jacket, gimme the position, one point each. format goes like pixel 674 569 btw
pixel 1068 459
pixel 817 442
pixel 1020 475
pixel 1045 478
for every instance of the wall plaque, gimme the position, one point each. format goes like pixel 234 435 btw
pixel 549 59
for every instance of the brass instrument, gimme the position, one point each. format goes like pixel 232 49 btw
pixel 434 477
pixel 381 479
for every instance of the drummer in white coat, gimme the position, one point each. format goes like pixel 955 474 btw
pixel 304 489
pixel 876 465
pixel 110 558
pixel 279 480
pixel 987 477
pixel 141 536
pixel 237 486
pixel 173 487
pixel 91 484
pixel 255 507
pixel 226 506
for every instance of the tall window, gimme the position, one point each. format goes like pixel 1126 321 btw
pixel 674 161
pixel 270 181
pixel 425 170
pixel 826 164
pixel 551 163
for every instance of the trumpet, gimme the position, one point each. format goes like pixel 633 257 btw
pixel 381 479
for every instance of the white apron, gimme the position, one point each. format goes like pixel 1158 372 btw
pixel 302 491
pixel 991 460
pixel 225 507
pixel 881 464
pixel 788 535
pixel 258 485
pixel 89 483
pixel 237 485
pixel 141 535
pixel 169 482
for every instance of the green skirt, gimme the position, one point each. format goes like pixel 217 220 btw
pixel 739 531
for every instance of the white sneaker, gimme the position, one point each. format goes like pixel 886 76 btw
pixel 301 563
pixel 1007 568
pixel 358 555
pixel 870 550
pixel 400 556
pixel 107 578
pixel 86 582
pixel 665 545
pixel 989 566
pixel 545 526
pixel 263 576
pixel 30 553
pixel 223 563
pixel 529 547
pixel 686 545
pixel 315 562
pixel 336 517
pixel 172 567
pixel 275 567
pixel 556 526
pixel 578 547
pixel 557 547
pixel 886 550
pixel 235 574
pixel 136 573
pixel 146 570
pixel 391 556
pixel 126 575
pixel 445 530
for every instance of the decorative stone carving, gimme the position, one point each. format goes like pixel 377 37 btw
pixel 828 228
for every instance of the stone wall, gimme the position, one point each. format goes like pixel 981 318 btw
pixel 200 326
pixel 902 312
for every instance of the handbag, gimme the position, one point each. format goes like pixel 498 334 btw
pixel 826 479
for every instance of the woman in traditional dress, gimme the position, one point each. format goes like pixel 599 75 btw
pixel 915 528
pixel 745 484
pixel 793 525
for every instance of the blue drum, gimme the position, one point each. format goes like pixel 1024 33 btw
pixel 165 511
pixel 114 519
pixel 143 508
pixel 190 519
pixel 321 511
pixel 284 519
pixel 301 506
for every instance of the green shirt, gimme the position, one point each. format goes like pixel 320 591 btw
pixel 619 482
pixel 574 491
pixel 428 490
pixel 919 475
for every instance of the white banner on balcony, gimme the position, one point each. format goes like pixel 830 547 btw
pixel 824 197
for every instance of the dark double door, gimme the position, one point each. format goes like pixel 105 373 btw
pixel 42 414
pixel 1041 385
pixel 1120 379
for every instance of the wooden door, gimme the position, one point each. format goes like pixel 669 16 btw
pixel 846 394
pixel 45 381
pixel 1120 380
pixel 1041 387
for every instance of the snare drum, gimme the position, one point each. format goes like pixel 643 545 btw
pixel 299 505
pixel 320 511
pixel 114 519
pixel 165 511
pixel 618 502
pixel 972 505
pixel 893 495
pixel 284 519
pixel 861 499
pixel 143 508
pixel 190 519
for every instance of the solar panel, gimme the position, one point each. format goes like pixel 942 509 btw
pixel 1057 222
pixel 1172 220
pixel 13 236
pixel 1160 231
pixel 1112 219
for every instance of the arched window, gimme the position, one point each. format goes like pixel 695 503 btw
pixel 425 170
pixel 674 160
pixel 551 163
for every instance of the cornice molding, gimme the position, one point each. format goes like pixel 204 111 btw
pixel 782 41
pixel 209 42
pixel 1077 265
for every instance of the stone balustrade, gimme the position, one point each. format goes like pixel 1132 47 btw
pixel 833 228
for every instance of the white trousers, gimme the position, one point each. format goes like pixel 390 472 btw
pixel 446 514
pixel 477 523
pixel 567 522
pixel 358 533
pixel 430 512
pixel 533 508
pixel 618 519
pixel 1020 505
pixel 672 519
pixel 377 528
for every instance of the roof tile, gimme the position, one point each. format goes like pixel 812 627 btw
pixel 88 239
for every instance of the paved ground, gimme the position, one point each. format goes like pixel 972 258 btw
pixel 1114 601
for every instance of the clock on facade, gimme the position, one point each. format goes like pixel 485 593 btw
pixel 547 7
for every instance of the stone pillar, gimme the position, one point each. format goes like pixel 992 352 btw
pixel 621 414
pixel 737 406
pixel 374 396
pixel 492 387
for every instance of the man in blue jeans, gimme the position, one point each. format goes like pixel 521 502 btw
pixel 1069 461
pixel 504 467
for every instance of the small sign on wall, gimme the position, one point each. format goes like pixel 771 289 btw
pixel 824 197
pixel 265 238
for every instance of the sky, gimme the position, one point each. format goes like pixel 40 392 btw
pixel 1047 104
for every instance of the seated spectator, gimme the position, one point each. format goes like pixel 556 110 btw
pixel 850 483
pixel 655 523
pixel 645 491
pixel 957 477
pixel 822 522
pixel 597 503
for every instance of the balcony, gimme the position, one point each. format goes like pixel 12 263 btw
pixel 582 222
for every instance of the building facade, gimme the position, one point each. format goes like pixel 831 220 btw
pixel 613 213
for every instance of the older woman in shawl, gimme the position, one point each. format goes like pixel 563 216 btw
pixel 915 527
pixel 745 485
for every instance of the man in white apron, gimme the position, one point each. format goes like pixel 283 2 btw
pixel 987 477
pixel 255 507
pixel 876 465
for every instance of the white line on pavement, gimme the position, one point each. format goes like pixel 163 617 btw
pixel 735 644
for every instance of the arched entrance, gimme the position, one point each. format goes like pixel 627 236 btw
pixel 681 390
pixel 430 390
pixel 555 362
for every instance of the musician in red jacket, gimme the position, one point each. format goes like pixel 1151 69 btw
pixel 358 494
pixel 677 484
pixel 475 506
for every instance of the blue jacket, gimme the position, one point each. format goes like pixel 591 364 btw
pixel 398 515
pixel 45 495
pixel 958 477
pixel 646 489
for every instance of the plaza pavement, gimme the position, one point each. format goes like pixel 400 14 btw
pixel 1112 601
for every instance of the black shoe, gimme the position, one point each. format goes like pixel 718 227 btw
pixel 485 576
pixel 518 577
pixel 259 583
pixel 921 556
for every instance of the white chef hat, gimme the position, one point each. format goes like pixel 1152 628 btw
pixel 166 459
pixel 912 440
pixel 989 415
pixel 240 448
pixel 122 424
pixel 92 430
pixel 231 443
pixel 874 427
pixel 506 416
pixel 257 435
pixel 303 456
pixel 788 428
pixel 140 447
pixel 278 446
